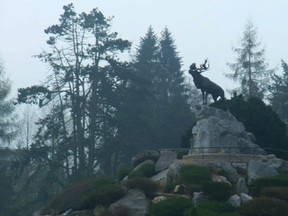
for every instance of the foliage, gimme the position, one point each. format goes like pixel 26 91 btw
pixel 250 68
pixel 144 170
pixel 8 123
pixel 279 93
pixel 6 191
pixel 171 206
pixel 213 209
pixel 123 172
pixel 192 174
pixel 259 119
pixel 218 191
pixel 264 206
pixel 280 180
pixel 147 185
pixel 275 192
pixel 85 195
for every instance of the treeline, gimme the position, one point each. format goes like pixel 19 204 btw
pixel 104 110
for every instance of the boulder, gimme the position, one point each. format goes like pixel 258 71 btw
pixel 145 155
pixel 161 177
pixel 235 200
pixel 219 178
pixel 166 158
pixel 220 165
pixel 135 201
pixel 241 186
pixel 198 199
pixel 219 131
pixel 257 169
pixel 245 197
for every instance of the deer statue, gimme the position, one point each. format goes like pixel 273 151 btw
pixel 203 83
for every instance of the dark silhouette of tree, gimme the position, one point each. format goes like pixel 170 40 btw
pixel 261 120
pixel 82 51
pixel 250 69
pixel 279 93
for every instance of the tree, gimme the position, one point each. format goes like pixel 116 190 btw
pixel 82 53
pixel 279 93
pixel 261 120
pixel 8 123
pixel 250 68
pixel 173 113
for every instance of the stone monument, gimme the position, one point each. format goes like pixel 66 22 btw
pixel 218 131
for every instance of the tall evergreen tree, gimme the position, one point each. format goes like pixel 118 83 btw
pixel 166 112
pixel 173 112
pixel 250 69
pixel 279 93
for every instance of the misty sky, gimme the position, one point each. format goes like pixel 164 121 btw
pixel 201 29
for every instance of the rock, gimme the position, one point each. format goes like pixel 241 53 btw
pixel 198 199
pixel 135 201
pixel 166 158
pixel 275 163
pixel 241 186
pixel 245 197
pixel 219 131
pixel 143 164
pixel 227 168
pixel 159 199
pixel 235 200
pixel 99 211
pixel 173 172
pixel 219 178
pixel 161 177
pixel 240 166
pixel 257 169
pixel 145 155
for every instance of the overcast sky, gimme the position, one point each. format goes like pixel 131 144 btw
pixel 201 29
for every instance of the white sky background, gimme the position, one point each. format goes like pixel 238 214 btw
pixel 201 29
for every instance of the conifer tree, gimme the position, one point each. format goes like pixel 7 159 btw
pixel 279 93
pixel 250 69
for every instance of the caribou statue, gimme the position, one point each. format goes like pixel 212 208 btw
pixel 204 84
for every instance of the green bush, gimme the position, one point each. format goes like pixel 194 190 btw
pixel 218 191
pixel 85 195
pixel 147 185
pixel 172 206
pixel 192 174
pixel 275 192
pixel 145 170
pixel 264 206
pixel 273 181
pixel 213 209
pixel 122 173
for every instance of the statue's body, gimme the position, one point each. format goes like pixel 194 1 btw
pixel 204 84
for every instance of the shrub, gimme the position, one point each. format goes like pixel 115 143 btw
pixel 192 174
pixel 85 194
pixel 275 192
pixel 145 170
pixel 219 191
pixel 122 173
pixel 264 206
pixel 171 206
pixel 147 185
pixel 273 181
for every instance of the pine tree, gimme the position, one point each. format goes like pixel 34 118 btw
pixel 250 69
pixel 174 115
pixel 279 93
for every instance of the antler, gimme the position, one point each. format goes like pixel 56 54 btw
pixel 205 66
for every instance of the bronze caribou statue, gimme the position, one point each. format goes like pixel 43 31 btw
pixel 204 84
